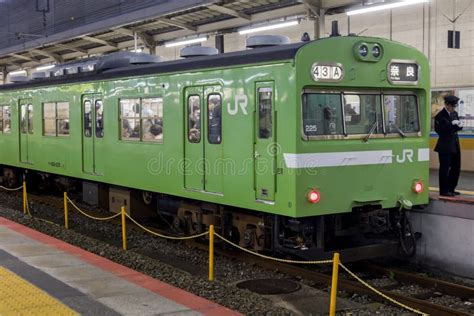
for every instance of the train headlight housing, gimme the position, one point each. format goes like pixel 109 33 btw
pixel 313 196
pixel 368 51
pixel 418 186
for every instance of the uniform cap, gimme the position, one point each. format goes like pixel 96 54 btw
pixel 451 99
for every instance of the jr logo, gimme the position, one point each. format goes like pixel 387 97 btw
pixel 240 100
pixel 406 154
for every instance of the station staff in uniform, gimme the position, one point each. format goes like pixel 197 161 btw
pixel 447 125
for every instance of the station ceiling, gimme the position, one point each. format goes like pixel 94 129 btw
pixel 155 25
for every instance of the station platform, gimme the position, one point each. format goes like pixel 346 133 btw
pixel 465 184
pixel 41 275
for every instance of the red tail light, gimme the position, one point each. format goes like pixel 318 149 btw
pixel 313 196
pixel 418 187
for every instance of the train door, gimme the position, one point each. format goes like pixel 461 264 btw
pixel 26 129
pixel 92 132
pixel 203 139
pixel 265 142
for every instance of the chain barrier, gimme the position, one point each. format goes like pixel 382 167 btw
pixel 271 258
pixel 380 293
pixel 164 236
pixel 90 216
pixel 8 189
pixel 211 255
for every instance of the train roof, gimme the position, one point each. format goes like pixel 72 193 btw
pixel 257 55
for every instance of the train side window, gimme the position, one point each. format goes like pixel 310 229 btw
pixel 62 110
pixel 49 119
pixel 152 119
pixel 194 119
pixel 5 119
pixel 87 118
pixel 214 112
pixel 265 109
pixel 23 118
pixel 130 119
pixel 30 118
pixel 99 119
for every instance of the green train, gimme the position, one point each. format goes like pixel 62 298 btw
pixel 298 149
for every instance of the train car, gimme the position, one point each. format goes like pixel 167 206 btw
pixel 298 149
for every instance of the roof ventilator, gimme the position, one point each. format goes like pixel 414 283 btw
pixel 18 78
pixel 197 51
pixel 124 59
pixel 38 75
pixel 258 41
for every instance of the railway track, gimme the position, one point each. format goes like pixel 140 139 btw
pixel 322 279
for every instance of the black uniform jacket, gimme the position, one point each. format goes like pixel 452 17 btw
pixel 448 141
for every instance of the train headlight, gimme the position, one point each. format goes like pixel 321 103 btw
pixel 418 187
pixel 313 196
pixel 376 51
pixel 363 50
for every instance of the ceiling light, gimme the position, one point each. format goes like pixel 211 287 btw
pixel 393 5
pixel 268 27
pixel 46 67
pixel 18 73
pixel 186 42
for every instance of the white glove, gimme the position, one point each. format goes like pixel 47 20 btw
pixel 460 124
pixel 455 122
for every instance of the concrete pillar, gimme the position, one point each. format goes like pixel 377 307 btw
pixel 320 24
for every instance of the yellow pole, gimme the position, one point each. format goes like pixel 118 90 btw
pixel 211 253
pixel 24 197
pixel 66 212
pixel 124 232
pixel 335 269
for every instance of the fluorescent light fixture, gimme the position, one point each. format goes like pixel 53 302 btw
pixel 268 27
pixel 392 5
pixel 46 67
pixel 18 73
pixel 186 42
pixel 138 50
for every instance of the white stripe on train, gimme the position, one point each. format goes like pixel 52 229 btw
pixel 352 158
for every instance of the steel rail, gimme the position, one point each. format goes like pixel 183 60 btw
pixel 444 287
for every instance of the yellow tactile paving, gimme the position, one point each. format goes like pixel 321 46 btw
pixel 19 297
pixel 466 192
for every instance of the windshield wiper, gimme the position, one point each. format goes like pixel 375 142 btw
pixel 399 131
pixel 372 130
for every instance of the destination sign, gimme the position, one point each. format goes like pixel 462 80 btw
pixel 327 72
pixel 400 72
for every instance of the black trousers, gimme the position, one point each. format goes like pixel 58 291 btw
pixel 449 169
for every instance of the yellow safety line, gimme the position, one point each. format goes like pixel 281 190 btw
pixel 90 216
pixel 466 192
pixel 7 189
pixel 164 236
pixel 271 258
pixel 380 293
pixel 19 297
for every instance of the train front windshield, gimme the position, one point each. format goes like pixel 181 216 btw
pixel 350 113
